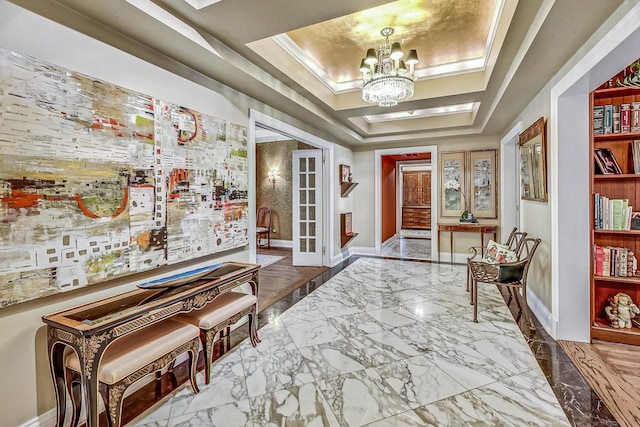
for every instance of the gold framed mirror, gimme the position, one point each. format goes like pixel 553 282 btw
pixel 533 162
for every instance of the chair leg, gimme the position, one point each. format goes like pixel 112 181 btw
pixel 474 289
pixel 525 308
pixel 510 296
pixel 468 277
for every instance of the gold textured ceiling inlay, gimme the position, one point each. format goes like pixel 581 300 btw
pixel 442 31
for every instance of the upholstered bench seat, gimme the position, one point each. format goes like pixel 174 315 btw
pixel 135 355
pixel 225 310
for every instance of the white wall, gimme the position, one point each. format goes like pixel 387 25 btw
pixel 26 389
pixel 364 201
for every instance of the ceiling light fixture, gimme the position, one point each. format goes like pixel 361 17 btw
pixel 386 80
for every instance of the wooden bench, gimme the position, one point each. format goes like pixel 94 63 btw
pixel 218 316
pixel 132 357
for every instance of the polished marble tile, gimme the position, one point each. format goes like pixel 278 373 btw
pixel 388 342
pixel 361 397
pixel 294 407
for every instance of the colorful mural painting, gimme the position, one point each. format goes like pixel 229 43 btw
pixel 97 181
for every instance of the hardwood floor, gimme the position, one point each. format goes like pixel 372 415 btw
pixel 613 372
pixel 281 278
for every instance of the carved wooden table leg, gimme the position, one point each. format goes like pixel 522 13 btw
pixel 56 354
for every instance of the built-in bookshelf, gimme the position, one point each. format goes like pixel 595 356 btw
pixel 615 189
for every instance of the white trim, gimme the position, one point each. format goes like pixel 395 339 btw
pixel 282 243
pixel 433 149
pixel 569 144
pixel 363 250
pixel 509 170
pixel 390 241
pixel 263 120
pixel 48 419
pixel 541 312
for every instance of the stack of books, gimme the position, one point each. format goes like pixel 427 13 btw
pixel 614 214
pixel 614 261
pixel 624 118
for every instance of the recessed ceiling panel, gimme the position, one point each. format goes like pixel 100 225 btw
pixel 442 31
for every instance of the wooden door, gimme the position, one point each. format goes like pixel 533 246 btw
pixel 410 189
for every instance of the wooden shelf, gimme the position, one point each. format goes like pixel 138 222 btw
pixel 346 233
pixel 346 188
pixel 617 176
pixel 615 136
pixel 612 92
pixel 622 232
pixel 614 186
pixel 602 331
pixel 345 239
pixel 628 280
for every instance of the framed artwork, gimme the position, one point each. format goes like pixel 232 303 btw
pixel 453 185
pixel 483 194
pixel 345 170
pixel 533 162
pixel 606 161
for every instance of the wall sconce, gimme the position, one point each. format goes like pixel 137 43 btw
pixel 272 175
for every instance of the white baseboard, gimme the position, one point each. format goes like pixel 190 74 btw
pixel 48 419
pixel 282 243
pixel 457 258
pixel 541 312
pixel 363 250
pixel 390 241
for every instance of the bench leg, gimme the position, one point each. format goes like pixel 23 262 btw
pixel 253 327
pixel 75 391
pixel 474 293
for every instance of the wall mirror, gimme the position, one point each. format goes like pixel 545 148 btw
pixel 533 162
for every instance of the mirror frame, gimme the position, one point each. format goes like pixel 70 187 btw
pixel 538 179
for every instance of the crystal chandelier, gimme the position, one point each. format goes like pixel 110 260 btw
pixel 386 80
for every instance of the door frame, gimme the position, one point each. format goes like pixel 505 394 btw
pixel 400 190
pixel 510 179
pixel 256 118
pixel 433 149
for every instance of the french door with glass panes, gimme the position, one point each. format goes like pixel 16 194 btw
pixel 307 207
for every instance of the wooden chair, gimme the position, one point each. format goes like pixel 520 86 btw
pixel 263 226
pixel 511 274
pixel 514 241
pixel 131 358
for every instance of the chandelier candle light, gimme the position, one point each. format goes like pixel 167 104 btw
pixel 386 80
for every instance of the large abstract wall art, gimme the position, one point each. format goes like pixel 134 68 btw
pixel 98 181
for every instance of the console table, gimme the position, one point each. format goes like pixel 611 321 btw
pixel 465 228
pixel 90 328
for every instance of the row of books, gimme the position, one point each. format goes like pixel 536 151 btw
pixel 614 261
pixel 614 214
pixel 623 118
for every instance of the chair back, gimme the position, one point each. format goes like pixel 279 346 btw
pixel 515 239
pixel 264 218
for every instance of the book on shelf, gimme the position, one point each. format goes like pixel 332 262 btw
pixel 625 118
pixel 606 161
pixel 634 120
pixel 608 119
pixel 614 214
pixel 614 261
pixel 616 119
pixel 635 151
pixel 598 117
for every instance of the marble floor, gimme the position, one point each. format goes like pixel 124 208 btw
pixel 409 249
pixel 388 343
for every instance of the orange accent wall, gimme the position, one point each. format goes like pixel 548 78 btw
pixel 389 198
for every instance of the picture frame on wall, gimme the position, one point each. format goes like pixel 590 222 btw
pixel 345 170
pixel 533 162
pixel 483 183
pixel 453 183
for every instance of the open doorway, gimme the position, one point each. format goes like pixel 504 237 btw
pixel 406 231
pixel 391 207
pixel 275 179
